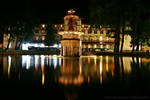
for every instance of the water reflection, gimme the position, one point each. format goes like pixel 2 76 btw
pixel 72 70
pixel 50 70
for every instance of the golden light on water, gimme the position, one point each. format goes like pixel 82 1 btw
pixel 42 66
pixel 36 62
pixel 9 65
pixel 101 79
pixel 100 66
pixel 72 71
pixel 107 69
pixel 43 78
pixel 8 72
pixel 95 64
pixel 127 62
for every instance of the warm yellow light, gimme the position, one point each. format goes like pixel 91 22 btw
pixel 107 63
pixel 8 72
pixel 43 78
pixel 101 79
pixel 43 25
pixel 95 46
pixel 71 11
pixel 100 66
pixel 100 38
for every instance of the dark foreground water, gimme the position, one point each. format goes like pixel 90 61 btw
pixel 52 77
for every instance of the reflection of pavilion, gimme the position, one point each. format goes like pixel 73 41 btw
pixel 71 73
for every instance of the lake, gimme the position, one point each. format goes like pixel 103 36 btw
pixel 74 78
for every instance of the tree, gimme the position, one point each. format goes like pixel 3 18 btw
pixel 117 13
pixel 141 15
pixel 50 34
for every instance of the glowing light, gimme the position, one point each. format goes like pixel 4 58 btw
pixel 100 38
pixel 43 25
pixel 43 77
pixel 26 61
pixel 59 61
pixel 127 64
pixel 80 65
pixel 36 62
pixel 101 69
pixel 26 45
pixel 9 61
pixel 55 61
pixel 101 79
pixel 101 65
pixel 42 65
pixel 95 64
pixel 107 63
pixel 42 45
pixel 107 46
pixel 9 65
pixel 71 11
pixel 95 46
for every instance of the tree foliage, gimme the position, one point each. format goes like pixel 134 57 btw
pixel 117 13
pixel 50 34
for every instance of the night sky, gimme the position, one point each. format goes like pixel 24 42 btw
pixel 45 10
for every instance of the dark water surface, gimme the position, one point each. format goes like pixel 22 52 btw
pixel 65 78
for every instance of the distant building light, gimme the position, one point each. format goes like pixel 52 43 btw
pixel 43 25
pixel 100 38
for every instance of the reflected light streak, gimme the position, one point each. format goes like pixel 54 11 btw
pixel 101 79
pixel 59 61
pixel 95 64
pixel 9 61
pixel 55 61
pixel 26 61
pixel 42 65
pixel 89 60
pixel 107 63
pixel 43 78
pixel 36 62
pixel 101 69
pixel 112 70
pixel 9 65
pixel 127 64
pixel 80 65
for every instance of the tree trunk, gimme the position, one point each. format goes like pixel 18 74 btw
pixel 16 44
pixel 137 43
pixel 8 43
pixel 133 43
pixel 117 39
pixel 20 44
pixel 122 40
pixel 133 48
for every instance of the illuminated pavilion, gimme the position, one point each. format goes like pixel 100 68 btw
pixel 70 43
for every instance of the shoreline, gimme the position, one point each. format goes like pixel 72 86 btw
pixel 29 53
pixel 129 54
